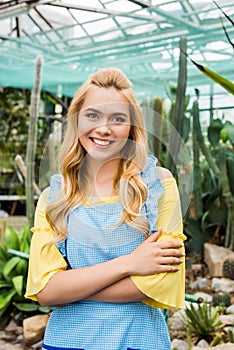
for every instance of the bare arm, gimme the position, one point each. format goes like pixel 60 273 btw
pixel 123 291
pixel 68 286
pixel 149 258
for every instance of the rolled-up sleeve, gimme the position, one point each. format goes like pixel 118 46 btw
pixel 45 260
pixel 166 290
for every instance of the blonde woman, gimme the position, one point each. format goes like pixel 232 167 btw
pixel 107 250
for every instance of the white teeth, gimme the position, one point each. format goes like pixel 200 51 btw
pixel 101 142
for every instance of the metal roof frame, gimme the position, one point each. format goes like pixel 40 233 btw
pixel 76 38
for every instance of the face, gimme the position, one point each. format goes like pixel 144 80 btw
pixel 104 123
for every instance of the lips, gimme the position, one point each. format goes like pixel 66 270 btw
pixel 101 142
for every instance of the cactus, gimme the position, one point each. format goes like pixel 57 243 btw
pixel 31 145
pixel 230 335
pixel 202 322
pixel 198 207
pixel 226 191
pixel 228 269
pixel 217 340
pixel 179 112
pixel 230 171
pixel 221 162
pixel 200 139
pixel 157 125
pixel 221 299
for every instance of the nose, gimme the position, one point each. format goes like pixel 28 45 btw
pixel 104 129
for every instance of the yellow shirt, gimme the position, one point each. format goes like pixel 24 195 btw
pixel 165 290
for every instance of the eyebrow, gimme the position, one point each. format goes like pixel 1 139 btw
pixel 91 109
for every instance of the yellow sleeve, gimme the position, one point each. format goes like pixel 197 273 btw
pixel 166 290
pixel 44 261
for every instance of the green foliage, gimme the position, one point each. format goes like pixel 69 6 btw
pixel 214 132
pixel 14 253
pixel 213 189
pixel 217 340
pixel 202 322
pixel 209 223
pixel 219 155
pixel 14 115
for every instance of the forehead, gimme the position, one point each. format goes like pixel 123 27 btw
pixel 105 98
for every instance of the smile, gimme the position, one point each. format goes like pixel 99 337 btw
pixel 101 142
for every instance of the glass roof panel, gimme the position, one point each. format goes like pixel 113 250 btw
pixel 109 36
pixel 122 5
pixel 29 26
pixel 142 29
pixel 56 16
pixel 140 37
pixel 97 27
pixel 72 32
pixel 173 6
pixel 122 20
pixel 87 16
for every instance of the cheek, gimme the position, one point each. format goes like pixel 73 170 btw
pixel 126 131
pixel 82 129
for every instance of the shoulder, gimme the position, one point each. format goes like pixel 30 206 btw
pixel 43 199
pixel 163 173
pixel 45 195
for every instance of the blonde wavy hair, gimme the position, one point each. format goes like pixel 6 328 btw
pixel 129 185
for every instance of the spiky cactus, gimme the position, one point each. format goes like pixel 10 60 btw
pixel 177 121
pixel 32 138
pixel 158 125
pixel 228 269
pixel 219 299
pixel 198 207
pixel 220 163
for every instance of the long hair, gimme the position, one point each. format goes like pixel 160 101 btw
pixel 129 185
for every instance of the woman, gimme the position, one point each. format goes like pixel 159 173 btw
pixel 107 249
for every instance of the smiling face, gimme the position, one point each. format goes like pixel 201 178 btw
pixel 104 123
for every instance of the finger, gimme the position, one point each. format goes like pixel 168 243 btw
pixel 170 244
pixel 168 268
pixel 172 252
pixel 155 236
pixel 170 261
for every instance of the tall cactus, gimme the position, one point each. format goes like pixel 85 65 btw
pixel 226 191
pixel 198 207
pixel 158 125
pixel 220 163
pixel 32 138
pixel 205 150
pixel 179 114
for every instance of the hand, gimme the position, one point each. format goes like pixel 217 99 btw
pixel 152 257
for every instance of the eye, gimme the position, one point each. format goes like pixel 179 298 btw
pixel 119 119
pixel 91 115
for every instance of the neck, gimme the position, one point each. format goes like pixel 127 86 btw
pixel 102 176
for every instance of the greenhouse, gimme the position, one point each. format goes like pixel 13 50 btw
pixel 179 58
